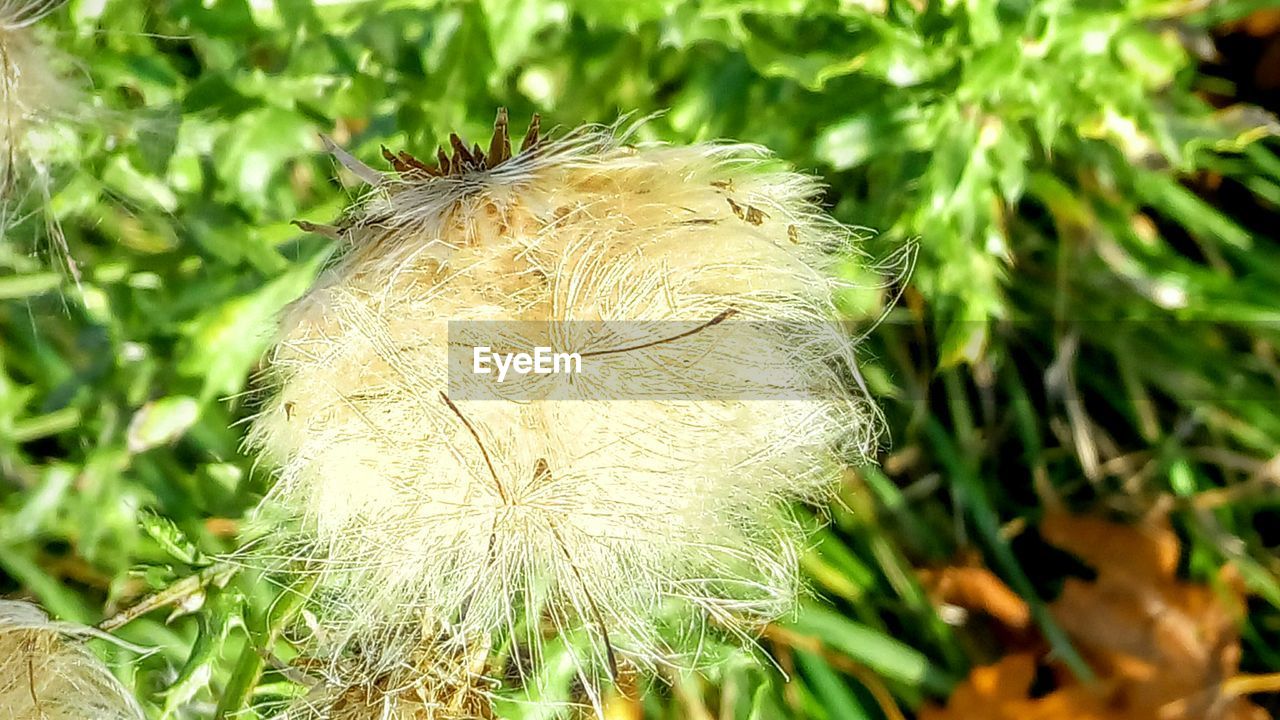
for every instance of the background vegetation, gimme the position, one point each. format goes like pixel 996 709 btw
pixel 1091 323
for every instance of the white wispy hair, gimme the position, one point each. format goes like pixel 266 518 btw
pixel 37 95
pixel 30 87
pixel 635 520
pixel 46 673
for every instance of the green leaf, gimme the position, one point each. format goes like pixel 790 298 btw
pixel 214 623
pixel 21 286
pixel 223 343
pixel 878 651
pixel 830 688
pixel 162 421
pixel 627 14
pixel 513 25
pixel 170 537
pixel 765 706
pixel 254 149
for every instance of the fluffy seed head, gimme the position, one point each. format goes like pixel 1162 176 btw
pixel 30 88
pixel 629 518
pixel 46 674
pixel 431 683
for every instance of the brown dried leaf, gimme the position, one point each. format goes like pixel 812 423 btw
pixel 1260 23
pixel 1149 552
pixel 1163 648
pixel 1168 645
pixel 1002 692
pixel 977 589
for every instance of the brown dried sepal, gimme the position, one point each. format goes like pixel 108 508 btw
pixel 747 213
pixel 406 164
pixel 467 160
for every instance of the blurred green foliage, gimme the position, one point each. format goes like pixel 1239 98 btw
pixel 1091 319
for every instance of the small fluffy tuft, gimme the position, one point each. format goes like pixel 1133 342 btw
pixel 47 674
pixel 636 521
pixel 30 88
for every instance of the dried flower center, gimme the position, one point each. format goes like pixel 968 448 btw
pixel 465 160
